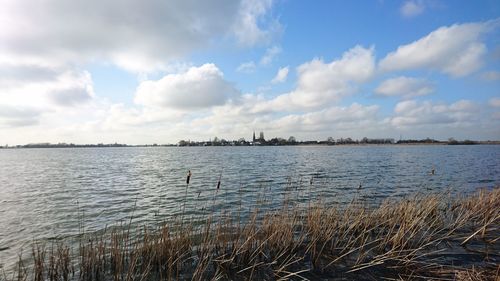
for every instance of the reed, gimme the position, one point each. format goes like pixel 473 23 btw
pixel 415 238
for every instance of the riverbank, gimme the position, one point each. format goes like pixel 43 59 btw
pixel 418 237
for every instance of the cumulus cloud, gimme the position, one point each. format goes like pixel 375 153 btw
pixel 405 87
pixel 413 113
pixel 412 8
pixel 69 88
pixel 45 45
pixel 281 75
pixel 138 36
pixel 455 50
pixel 198 87
pixel 320 84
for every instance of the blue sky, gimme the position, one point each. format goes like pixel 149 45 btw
pixel 160 71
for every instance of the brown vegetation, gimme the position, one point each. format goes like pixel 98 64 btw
pixel 420 237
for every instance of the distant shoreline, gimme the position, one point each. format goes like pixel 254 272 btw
pixel 239 145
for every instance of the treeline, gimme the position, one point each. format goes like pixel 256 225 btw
pixel 64 145
pixel 277 141
pixel 450 141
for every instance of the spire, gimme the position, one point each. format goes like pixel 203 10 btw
pixel 253 136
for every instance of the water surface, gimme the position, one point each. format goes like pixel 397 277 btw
pixel 47 194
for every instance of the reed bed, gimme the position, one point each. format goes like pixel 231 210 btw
pixel 420 237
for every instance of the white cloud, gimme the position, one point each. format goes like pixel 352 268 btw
pixel 353 117
pixel 412 8
pixel 247 67
pixel 406 87
pixel 250 18
pixel 413 114
pixel 16 116
pixel 138 36
pixel 456 50
pixel 490 75
pixel 72 89
pixel 122 118
pixel 69 87
pixel 270 54
pixel 46 45
pixel 320 84
pixel 267 58
pixel 199 87
pixel 337 120
pixel 15 75
pixel 281 75
pixel 70 97
pixel 495 102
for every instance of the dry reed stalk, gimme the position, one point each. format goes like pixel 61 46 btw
pixel 399 239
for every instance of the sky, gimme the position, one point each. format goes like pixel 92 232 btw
pixel 152 71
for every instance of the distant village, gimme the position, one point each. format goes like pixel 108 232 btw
pixel 261 141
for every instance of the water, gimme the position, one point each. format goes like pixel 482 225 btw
pixel 45 194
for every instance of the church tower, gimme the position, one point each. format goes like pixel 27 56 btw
pixel 253 136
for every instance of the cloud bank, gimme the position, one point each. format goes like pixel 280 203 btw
pixel 48 94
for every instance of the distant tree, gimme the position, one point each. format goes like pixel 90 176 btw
pixel 292 139
pixel 469 142
pixel 216 141
pixel 330 140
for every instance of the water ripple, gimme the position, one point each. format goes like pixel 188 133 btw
pixel 48 194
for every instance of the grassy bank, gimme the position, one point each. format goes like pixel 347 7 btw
pixel 420 237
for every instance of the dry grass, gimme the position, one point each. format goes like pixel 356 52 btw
pixel 415 238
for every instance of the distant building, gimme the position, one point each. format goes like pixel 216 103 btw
pixel 260 140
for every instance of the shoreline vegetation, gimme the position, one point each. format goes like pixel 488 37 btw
pixel 419 237
pixel 262 142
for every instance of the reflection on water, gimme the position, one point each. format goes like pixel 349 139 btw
pixel 46 193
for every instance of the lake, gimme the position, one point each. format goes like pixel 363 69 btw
pixel 47 194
